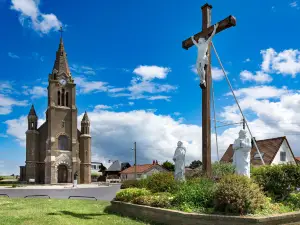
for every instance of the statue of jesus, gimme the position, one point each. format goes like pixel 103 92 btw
pixel 179 159
pixel 202 59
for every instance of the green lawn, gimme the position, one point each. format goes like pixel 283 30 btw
pixel 16 211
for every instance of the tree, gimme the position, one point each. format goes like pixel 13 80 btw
pixel 102 168
pixel 168 165
pixel 195 164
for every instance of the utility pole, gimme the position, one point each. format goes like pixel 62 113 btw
pixel 135 160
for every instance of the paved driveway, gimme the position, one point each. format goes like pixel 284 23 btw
pixel 101 193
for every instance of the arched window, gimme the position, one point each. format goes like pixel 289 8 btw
pixel 63 97
pixel 67 99
pixel 58 98
pixel 63 142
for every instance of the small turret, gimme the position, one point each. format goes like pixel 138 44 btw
pixel 32 119
pixel 85 150
pixel 85 124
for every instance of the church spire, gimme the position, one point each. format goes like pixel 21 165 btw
pixel 61 63
pixel 32 111
pixel 85 117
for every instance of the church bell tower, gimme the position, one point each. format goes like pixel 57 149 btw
pixel 62 152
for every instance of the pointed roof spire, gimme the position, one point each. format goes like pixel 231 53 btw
pixel 32 111
pixel 61 62
pixel 85 117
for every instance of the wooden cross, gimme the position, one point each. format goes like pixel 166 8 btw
pixel 61 31
pixel 207 29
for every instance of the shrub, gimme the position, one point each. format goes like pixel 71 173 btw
pixel 161 200
pixel 130 184
pixel 13 185
pixel 161 182
pixel 1 178
pixel 238 194
pixel 278 181
pixel 220 170
pixel 129 194
pixel 293 200
pixel 195 193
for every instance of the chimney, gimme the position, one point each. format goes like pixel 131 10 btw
pixel 153 162
pixel 156 162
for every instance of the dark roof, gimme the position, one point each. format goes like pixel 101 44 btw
pixel 116 166
pixel 267 147
pixel 32 111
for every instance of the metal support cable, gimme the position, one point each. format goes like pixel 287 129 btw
pixel 254 141
pixel 215 122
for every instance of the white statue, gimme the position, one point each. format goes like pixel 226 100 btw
pixel 179 159
pixel 202 59
pixel 241 154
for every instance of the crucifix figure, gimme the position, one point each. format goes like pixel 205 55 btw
pixel 207 31
pixel 202 59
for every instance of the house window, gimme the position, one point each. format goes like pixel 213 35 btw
pixel 63 142
pixel 256 155
pixel 282 156
pixel 138 175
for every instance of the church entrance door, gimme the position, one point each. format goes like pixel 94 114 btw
pixel 62 175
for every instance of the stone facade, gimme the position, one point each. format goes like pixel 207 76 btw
pixel 57 149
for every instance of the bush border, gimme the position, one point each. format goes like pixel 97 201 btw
pixel 173 217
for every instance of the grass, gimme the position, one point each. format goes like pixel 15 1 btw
pixel 15 211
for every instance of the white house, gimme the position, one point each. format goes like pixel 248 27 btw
pixel 274 151
pixel 142 171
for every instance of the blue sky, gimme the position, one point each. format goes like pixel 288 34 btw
pixel 135 80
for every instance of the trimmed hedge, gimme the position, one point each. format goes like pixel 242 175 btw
pixel 278 181
pixel 161 200
pixel 129 194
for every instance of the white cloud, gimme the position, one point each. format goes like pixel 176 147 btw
pixel 31 15
pixel 86 86
pixel 115 90
pixel 217 73
pixel 6 104
pixel 35 92
pixel 151 72
pixel 259 77
pixel 286 62
pixel 294 4
pixel 101 107
pixel 159 97
pixel 6 87
pixel 130 103
pixel 260 92
pixel 83 69
pixel 247 60
pixel 12 55
pixel 3 135
pixel 18 127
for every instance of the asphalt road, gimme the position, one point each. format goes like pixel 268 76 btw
pixel 101 193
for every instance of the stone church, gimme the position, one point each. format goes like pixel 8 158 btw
pixel 57 149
